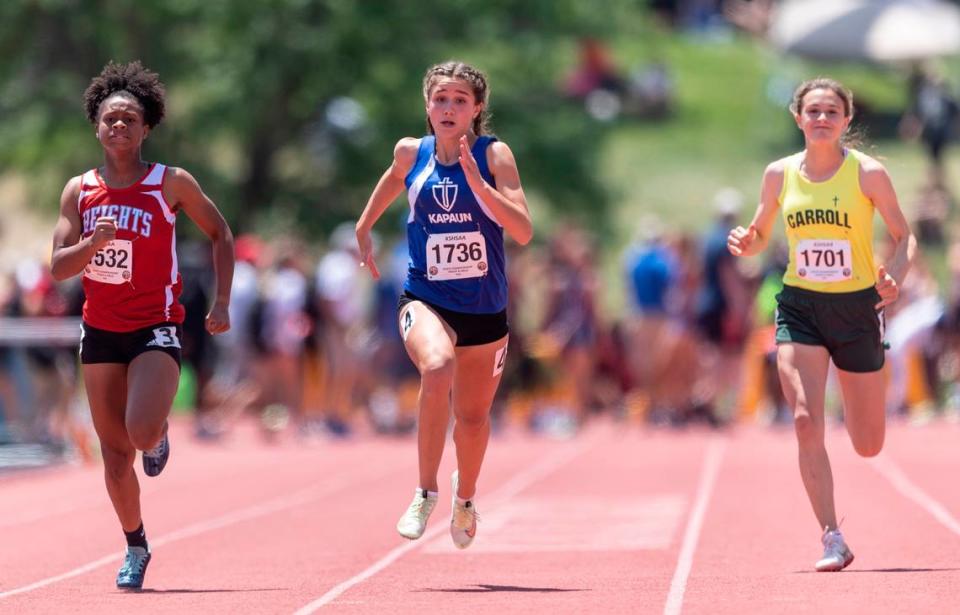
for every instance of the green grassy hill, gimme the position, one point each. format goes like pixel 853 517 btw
pixel 730 119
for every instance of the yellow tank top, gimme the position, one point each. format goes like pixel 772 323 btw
pixel 829 228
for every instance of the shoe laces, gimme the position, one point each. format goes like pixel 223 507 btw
pixel 833 541
pixel 417 506
pixel 158 450
pixel 134 562
pixel 464 516
pixel 421 504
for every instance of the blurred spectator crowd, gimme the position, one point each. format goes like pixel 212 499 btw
pixel 314 350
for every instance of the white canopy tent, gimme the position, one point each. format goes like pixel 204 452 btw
pixel 867 30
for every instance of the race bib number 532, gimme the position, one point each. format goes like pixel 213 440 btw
pixel 824 260
pixel 112 264
pixel 452 256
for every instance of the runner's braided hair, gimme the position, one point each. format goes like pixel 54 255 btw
pixel 132 80
pixel 465 72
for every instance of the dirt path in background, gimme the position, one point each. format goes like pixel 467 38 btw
pixel 24 233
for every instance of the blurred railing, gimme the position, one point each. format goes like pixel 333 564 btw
pixel 39 331
pixel 34 427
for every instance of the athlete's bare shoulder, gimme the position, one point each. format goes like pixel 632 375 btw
pixel 773 180
pixel 178 175
pixel 875 182
pixel 180 188
pixel 71 192
pixel 774 173
pixel 74 184
pixel 179 182
pixel 869 164
pixel 405 155
pixel 69 226
pixel 405 151
pixel 778 167
pixel 500 151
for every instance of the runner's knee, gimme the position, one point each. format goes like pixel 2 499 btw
pixel 437 371
pixel 472 421
pixel 117 462
pixel 869 447
pixel 144 436
pixel 808 432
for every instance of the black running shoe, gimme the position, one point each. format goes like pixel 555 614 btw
pixel 156 458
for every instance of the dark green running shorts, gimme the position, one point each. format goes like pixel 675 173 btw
pixel 846 324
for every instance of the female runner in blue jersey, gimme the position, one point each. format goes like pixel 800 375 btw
pixel 464 192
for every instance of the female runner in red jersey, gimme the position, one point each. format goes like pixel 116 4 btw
pixel 116 227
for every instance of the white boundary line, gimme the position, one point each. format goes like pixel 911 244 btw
pixel 511 488
pixel 278 504
pixel 886 467
pixel 708 477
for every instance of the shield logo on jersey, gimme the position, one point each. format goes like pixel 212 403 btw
pixel 445 193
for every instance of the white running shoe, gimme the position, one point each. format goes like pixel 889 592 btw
pixel 836 553
pixel 413 522
pixel 463 523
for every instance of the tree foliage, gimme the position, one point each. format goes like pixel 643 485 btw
pixel 288 110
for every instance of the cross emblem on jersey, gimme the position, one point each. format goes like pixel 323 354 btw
pixel 836 200
pixel 445 193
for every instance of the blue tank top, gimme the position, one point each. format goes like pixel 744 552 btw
pixel 455 244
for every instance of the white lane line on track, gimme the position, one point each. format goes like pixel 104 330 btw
pixel 511 488
pixel 278 504
pixel 906 487
pixel 708 477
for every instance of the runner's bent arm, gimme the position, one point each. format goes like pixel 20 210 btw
pixel 507 201
pixel 878 187
pixel 71 253
pixel 186 194
pixel 387 189
pixel 754 239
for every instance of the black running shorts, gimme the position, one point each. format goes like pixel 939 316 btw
pixel 471 329
pixel 846 324
pixel 100 346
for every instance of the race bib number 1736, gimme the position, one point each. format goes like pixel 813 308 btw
pixel 452 256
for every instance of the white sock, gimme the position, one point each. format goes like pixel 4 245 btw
pixel 463 501
pixel 430 494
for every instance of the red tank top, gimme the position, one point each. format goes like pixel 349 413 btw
pixel 132 282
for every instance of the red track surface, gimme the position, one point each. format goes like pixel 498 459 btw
pixel 618 520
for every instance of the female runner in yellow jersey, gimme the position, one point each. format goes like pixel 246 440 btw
pixel 833 298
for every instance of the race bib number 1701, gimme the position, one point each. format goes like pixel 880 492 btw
pixel 824 260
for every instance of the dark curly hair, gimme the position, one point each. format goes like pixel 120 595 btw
pixel 133 79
